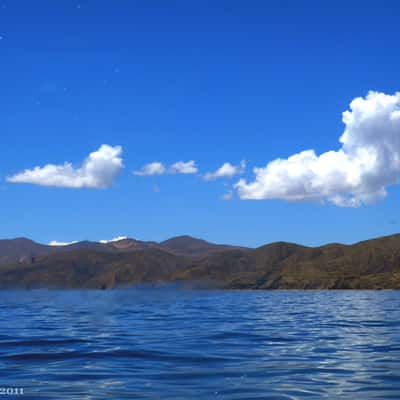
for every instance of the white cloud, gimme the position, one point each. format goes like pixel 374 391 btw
pixel 153 168
pixel 98 170
pixel 358 173
pixel 227 170
pixel 55 243
pixel 183 167
pixel 117 239
pixel 158 168
pixel 227 196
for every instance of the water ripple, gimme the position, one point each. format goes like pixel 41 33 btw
pixel 170 344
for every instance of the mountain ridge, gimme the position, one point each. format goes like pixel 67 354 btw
pixel 24 249
pixel 368 264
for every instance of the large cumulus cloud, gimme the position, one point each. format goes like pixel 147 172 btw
pixel 358 173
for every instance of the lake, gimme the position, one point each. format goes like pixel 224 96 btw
pixel 153 343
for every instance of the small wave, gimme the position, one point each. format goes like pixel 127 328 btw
pixel 149 355
pixel 41 342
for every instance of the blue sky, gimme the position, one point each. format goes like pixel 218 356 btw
pixel 213 82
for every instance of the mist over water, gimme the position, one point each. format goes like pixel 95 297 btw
pixel 154 343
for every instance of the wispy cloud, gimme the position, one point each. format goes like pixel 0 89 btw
pixel 183 167
pixel 153 168
pixel 358 173
pixel 226 170
pixel 228 195
pixel 117 239
pixel 158 168
pixel 56 243
pixel 98 170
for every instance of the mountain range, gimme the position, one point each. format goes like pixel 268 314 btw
pixel 371 264
pixel 23 250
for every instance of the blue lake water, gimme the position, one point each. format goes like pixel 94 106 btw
pixel 178 344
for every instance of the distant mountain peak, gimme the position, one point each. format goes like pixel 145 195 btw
pixel 191 246
pixel 184 238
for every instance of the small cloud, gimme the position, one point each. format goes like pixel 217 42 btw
pixel 153 168
pixel 158 168
pixel 227 170
pixel 227 196
pixel 156 189
pixel 182 167
pixel 117 239
pixel 55 243
pixel 98 170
